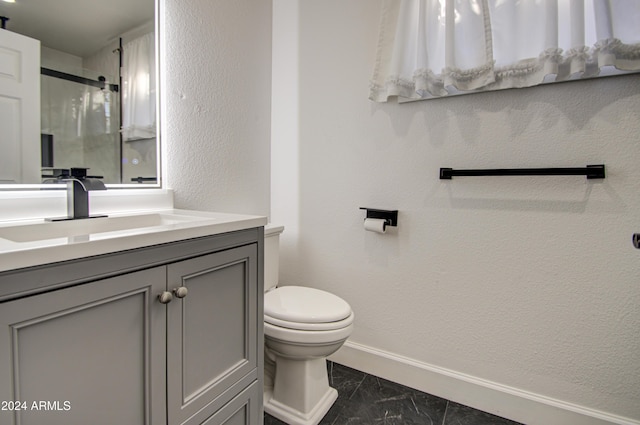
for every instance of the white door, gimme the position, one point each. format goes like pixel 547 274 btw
pixel 19 108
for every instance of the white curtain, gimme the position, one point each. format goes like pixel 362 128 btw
pixel 435 48
pixel 138 95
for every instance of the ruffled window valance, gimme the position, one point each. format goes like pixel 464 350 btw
pixel 434 48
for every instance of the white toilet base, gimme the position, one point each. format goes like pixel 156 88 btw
pixel 301 394
pixel 294 417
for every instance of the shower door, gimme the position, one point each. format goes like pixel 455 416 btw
pixel 80 113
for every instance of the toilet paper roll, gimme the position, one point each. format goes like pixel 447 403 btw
pixel 378 225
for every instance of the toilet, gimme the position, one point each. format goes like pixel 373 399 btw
pixel 302 326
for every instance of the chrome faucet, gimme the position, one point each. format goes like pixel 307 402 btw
pixel 78 187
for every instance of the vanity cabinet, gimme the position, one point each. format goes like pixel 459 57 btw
pixel 91 340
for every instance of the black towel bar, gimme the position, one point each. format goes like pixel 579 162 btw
pixel 591 171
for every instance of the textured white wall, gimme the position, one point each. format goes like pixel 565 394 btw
pixel 217 115
pixel 527 282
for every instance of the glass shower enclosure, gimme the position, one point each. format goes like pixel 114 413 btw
pixel 80 123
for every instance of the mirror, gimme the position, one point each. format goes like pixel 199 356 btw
pixel 98 90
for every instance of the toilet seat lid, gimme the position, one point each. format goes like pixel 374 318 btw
pixel 305 305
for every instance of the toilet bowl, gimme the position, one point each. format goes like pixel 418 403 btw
pixel 302 326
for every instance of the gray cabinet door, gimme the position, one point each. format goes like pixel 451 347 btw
pixel 212 333
pixel 89 354
pixel 244 409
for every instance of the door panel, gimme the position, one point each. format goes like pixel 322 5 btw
pixel 242 410
pixel 19 108
pixel 212 331
pixel 83 355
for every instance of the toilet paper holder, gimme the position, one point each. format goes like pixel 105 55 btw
pixel 391 216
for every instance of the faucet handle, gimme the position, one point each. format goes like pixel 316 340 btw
pixel 80 173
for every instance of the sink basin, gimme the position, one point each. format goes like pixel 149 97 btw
pixel 90 226
pixel 31 243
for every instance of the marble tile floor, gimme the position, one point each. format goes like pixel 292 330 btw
pixel 365 399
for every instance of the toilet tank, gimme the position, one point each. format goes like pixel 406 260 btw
pixel 271 255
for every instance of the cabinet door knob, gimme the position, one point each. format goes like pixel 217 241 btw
pixel 180 292
pixel 165 297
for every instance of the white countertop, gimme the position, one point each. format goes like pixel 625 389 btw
pixel 27 243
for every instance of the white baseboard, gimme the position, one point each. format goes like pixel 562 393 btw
pixel 501 400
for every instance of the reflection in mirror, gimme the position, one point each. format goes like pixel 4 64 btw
pixel 97 97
